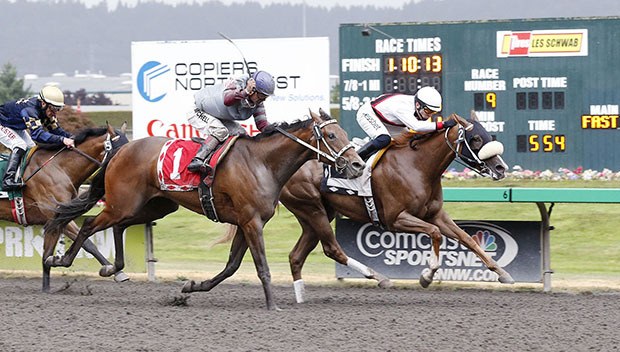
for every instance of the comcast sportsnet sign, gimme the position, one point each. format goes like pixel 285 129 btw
pixel 514 245
pixel 541 43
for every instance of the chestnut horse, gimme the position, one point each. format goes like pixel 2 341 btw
pixel 246 188
pixel 53 175
pixel 406 184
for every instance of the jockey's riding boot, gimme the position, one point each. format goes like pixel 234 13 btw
pixel 12 181
pixel 199 162
pixel 367 150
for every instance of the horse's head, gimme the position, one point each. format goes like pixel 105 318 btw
pixel 335 147
pixel 478 150
pixel 99 143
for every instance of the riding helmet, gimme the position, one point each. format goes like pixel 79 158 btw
pixel 429 97
pixel 53 96
pixel 264 82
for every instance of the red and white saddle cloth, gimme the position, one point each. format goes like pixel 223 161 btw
pixel 174 157
pixel 172 163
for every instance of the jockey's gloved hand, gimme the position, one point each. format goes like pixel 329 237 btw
pixel 250 86
pixel 445 124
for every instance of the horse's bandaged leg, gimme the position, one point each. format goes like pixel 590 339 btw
pixel 300 290
pixel 359 267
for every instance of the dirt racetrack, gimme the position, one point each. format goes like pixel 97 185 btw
pixel 86 314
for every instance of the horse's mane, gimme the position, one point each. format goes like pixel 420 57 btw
pixel 81 136
pixel 271 129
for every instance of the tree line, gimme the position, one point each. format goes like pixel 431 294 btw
pixel 12 88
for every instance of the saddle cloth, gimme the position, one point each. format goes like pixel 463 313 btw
pixel 174 157
pixel 333 182
pixel 172 163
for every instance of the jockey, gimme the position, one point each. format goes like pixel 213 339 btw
pixel 36 115
pixel 218 108
pixel 391 114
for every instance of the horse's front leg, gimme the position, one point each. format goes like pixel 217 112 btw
pixel 405 222
pixel 237 251
pixel 452 230
pixel 50 239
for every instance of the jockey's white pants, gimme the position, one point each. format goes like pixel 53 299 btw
pixel 210 125
pixel 12 139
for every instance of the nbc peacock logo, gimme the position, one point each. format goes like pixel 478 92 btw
pixel 492 238
pixel 485 240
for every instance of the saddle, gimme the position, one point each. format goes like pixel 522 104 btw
pixel 333 182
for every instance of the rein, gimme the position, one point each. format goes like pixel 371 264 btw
pixel 107 146
pixel 334 157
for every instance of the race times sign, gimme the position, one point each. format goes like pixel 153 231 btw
pixel 166 76
pixel 514 245
pixel 546 88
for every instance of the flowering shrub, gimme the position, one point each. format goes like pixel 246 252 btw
pixel 518 173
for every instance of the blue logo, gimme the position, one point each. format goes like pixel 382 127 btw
pixel 152 82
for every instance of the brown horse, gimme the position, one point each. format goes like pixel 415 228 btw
pixel 53 175
pixel 245 190
pixel 406 185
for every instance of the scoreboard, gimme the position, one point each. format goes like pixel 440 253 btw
pixel 548 89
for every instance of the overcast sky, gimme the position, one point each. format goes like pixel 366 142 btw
pixel 112 4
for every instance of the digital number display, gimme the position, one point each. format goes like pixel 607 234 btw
pixel 408 73
pixel 546 143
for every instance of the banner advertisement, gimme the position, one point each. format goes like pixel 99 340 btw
pixel 166 76
pixel 514 245
pixel 21 248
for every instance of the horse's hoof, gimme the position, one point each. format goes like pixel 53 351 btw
pixel 385 283
pixel 506 279
pixel 188 286
pixel 121 277
pixel 106 270
pixel 424 282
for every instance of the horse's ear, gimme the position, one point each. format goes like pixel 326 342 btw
pixel 473 116
pixel 124 127
pixel 313 115
pixel 109 127
pixel 324 115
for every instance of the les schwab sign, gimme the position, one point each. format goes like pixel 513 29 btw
pixel 166 75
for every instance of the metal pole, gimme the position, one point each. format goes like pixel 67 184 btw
pixel 149 255
pixel 546 245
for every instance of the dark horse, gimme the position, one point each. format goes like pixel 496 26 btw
pixel 54 175
pixel 245 190
pixel 406 184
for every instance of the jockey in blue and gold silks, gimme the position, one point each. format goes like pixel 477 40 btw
pixel 218 107
pixel 29 120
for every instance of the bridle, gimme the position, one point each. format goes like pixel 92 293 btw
pixel 461 142
pixel 340 163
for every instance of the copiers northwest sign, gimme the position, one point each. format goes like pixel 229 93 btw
pixel 166 75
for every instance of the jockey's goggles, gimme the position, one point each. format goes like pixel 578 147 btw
pixel 54 108
pixel 429 111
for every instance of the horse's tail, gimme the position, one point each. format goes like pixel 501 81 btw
pixel 66 212
pixel 226 237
